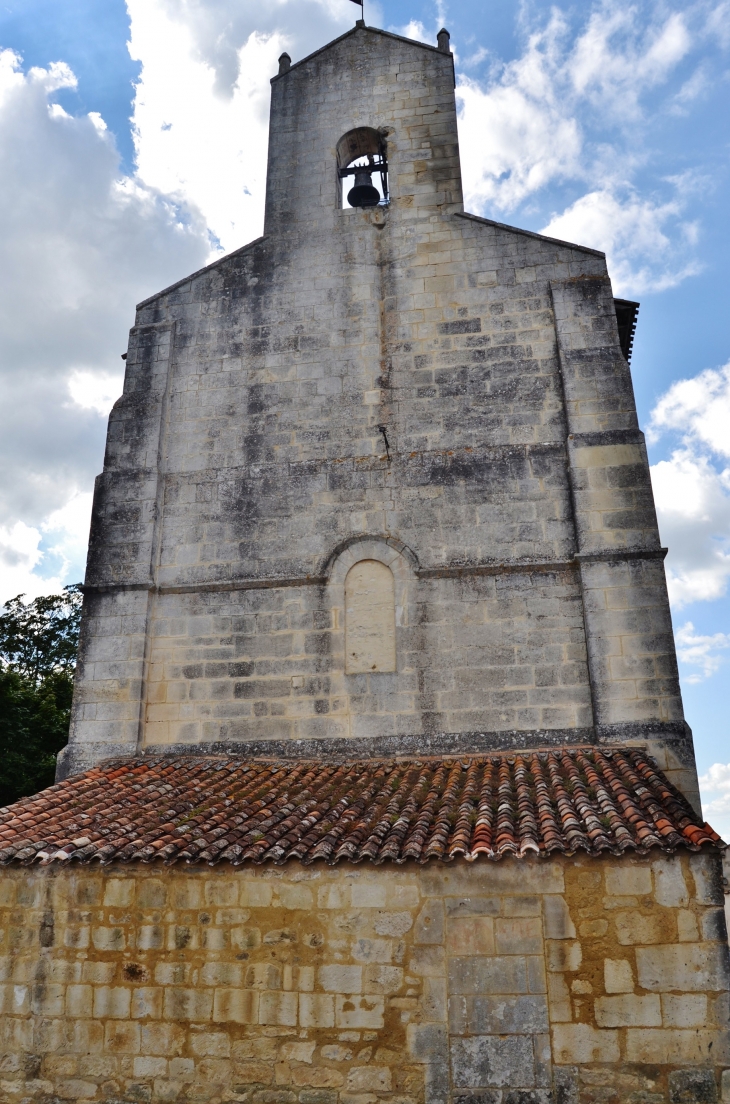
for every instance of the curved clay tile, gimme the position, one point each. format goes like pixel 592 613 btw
pixel 214 810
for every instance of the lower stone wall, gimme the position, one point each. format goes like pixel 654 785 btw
pixel 526 982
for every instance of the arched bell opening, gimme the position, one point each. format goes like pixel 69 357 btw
pixel 362 168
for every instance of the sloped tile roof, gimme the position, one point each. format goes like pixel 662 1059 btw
pixel 198 809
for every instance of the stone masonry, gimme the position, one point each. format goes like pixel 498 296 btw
pixel 374 501
pixel 407 385
pixel 523 982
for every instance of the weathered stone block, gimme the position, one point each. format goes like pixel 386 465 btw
pixel 713 925
pixel 564 956
pixel 518 936
pixel 254 894
pixel 235 1005
pixel 122 1038
pixel 673 1046
pixel 725 1086
pixel 425 1040
pixel 277 1008
pixel 359 1011
pixel 427 961
pixel 146 1003
pixel 634 927
pixel 498 1015
pixel 490 1060
pixel 558 924
pixel 119 892
pixel 687 1010
pixel 581 1043
pixel 112 1002
pixel 188 1004
pixel 498 974
pixel 707 874
pixel 369 1079
pixel 471 936
pixel 340 979
pixel 430 924
pixel 628 1010
pixel 368 894
pixel 687 929
pixel 692 1087
pixel 670 886
pixel 393 923
pixel 687 968
pixel 618 976
pixel 316 1010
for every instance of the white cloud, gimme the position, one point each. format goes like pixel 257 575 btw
pixel 194 141
pixel 571 109
pixel 718 23
pixel 692 487
pixel 693 509
pixel 66 534
pixel 416 30
pixel 202 102
pixel 41 560
pixel 698 408
pixel 516 135
pixel 703 652
pixel 95 390
pixel 522 131
pixel 613 62
pixel 694 87
pixel 715 791
pixel 633 234
pixel 19 556
pixel 717 779
pixel 81 244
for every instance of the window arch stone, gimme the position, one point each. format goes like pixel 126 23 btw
pixel 356 144
pixel 369 618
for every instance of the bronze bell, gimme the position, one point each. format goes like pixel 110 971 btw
pixel 363 194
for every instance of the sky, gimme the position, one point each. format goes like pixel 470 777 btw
pixel 133 151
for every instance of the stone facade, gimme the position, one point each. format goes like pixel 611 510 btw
pixel 375 489
pixel 407 384
pixel 522 982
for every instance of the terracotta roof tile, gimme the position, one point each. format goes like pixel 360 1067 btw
pixel 204 809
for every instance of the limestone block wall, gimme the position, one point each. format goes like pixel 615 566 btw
pixel 524 982
pixel 482 651
pixel 409 378
pixel 629 629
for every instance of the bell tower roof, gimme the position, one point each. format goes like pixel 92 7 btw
pixel 361 29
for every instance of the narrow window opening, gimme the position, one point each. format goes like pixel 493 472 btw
pixel 369 618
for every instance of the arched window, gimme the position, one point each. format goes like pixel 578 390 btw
pixel 369 618
pixel 362 168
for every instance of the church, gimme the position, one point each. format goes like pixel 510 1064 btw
pixel 378 788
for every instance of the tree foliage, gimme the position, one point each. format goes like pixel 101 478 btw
pixel 38 644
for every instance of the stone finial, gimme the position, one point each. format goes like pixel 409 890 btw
pixel 285 63
pixel 443 38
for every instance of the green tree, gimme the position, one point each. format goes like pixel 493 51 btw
pixel 38 645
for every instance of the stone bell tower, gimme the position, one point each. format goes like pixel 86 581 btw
pixel 376 484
